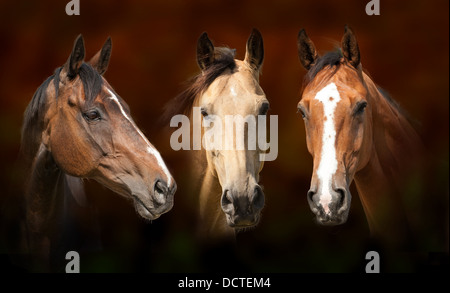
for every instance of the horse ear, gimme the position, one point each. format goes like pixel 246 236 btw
pixel 100 60
pixel 205 51
pixel 254 56
pixel 306 50
pixel 350 48
pixel 76 58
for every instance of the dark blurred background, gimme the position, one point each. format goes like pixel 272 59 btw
pixel 405 50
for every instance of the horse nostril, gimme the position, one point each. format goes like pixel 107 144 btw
pixel 341 197
pixel 160 187
pixel 258 199
pixel 227 198
pixel 310 195
pixel 227 201
pixel 160 193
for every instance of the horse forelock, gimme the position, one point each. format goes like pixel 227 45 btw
pixel 92 81
pixel 182 103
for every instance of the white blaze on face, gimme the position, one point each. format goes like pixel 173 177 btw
pixel 329 97
pixel 150 149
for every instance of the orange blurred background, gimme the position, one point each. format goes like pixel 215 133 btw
pixel 405 50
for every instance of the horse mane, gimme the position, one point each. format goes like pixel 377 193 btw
pixel 413 121
pixel 92 81
pixel 33 121
pixel 182 103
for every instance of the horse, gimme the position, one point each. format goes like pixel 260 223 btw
pixel 230 198
pixel 355 132
pixel 77 127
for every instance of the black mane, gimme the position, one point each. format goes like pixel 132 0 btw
pixel 332 59
pixel 33 121
pixel 223 59
pixel 92 81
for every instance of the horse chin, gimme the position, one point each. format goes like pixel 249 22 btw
pixel 330 220
pixel 147 211
pixel 243 224
pixel 144 211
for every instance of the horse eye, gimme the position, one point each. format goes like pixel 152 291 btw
pixel 204 113
pixel 92 115
pixel 300 110
pixel 360 106
pixel 264 108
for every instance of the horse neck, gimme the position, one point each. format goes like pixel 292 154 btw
pixel 379 182
pixel 41 190
pixel 47 191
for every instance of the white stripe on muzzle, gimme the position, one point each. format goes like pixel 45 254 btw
pixel 150 149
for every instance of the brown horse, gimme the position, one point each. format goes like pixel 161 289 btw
pixel 354 131
pixel 230 196
pixel 76 127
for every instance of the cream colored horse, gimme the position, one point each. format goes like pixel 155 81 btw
pixel 230 197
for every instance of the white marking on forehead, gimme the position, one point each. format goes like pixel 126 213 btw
pixel 233 91
pixel 329 97
pixel 150 149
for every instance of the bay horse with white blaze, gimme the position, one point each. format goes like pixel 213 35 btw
pixel 354 131
pixel 76 127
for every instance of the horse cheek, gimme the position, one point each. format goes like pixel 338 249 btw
pixel 70 151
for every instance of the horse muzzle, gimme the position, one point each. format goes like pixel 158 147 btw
pixel 242 210
pixel 157 202
pixel 331 209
